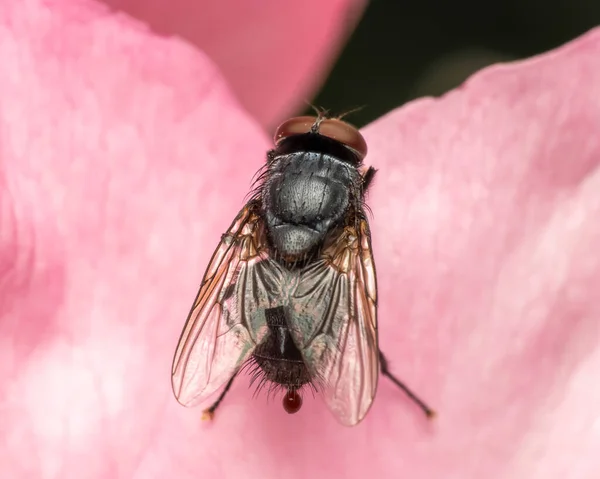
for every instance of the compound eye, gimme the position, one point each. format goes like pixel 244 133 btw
pixel 333 128
pixel 345 133
pixel 294 126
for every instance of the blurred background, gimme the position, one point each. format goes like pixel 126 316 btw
pixel 401 50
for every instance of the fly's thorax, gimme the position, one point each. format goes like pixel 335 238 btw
pixel 305 195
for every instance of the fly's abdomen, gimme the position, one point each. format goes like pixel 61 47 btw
pixel 277 357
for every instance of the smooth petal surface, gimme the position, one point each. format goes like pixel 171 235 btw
pixel 488 246
pixel 124 157
pixel 273 54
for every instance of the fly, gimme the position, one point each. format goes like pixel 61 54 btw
pixel 290 292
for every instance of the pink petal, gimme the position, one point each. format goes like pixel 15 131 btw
pixel 488 246
pixel 123 158
pixel 115 146
pixel 274 54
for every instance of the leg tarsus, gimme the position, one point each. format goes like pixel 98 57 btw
pixel 209 413
pixel 430 413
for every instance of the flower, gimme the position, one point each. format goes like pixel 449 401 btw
pixel 125 154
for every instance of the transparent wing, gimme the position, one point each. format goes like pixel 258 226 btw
pixel 223 326
pixel 334 323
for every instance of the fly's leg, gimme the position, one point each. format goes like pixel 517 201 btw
pixel 368 178
pixel 209 413
pixel 430 413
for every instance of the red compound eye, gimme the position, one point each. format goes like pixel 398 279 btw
pixel 332 128
pixel 292 401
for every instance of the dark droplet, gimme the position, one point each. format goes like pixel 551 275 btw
pixel 292 401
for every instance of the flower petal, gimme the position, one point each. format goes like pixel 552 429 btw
pixel 274 54
pixel 487 245
pixel 123 158
pixel 123 155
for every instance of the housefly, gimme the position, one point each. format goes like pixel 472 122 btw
pixel 290 292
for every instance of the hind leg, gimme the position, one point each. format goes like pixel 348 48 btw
pixel 210 412
pixel 430 413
